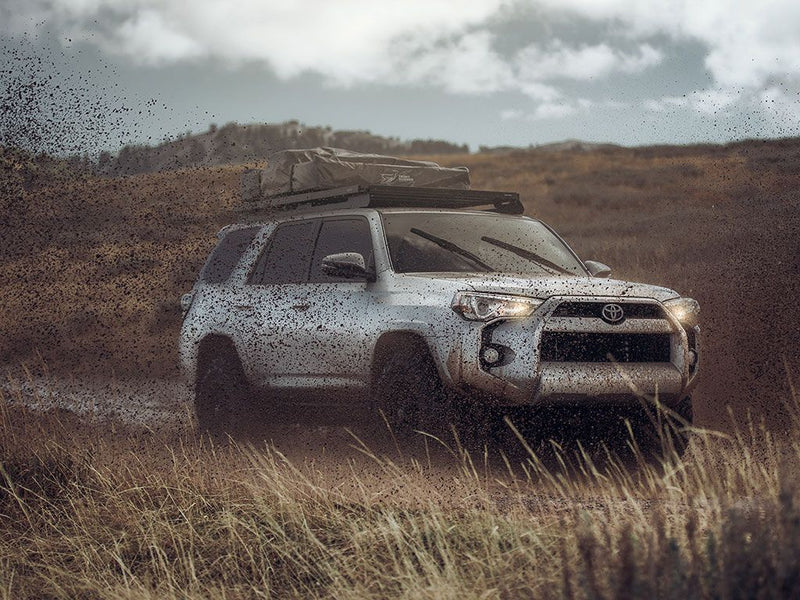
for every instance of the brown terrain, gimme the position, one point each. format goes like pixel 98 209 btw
pixel 93 269
pixel 125 500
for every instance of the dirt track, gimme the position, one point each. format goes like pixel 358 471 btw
pixel 349 452
pixel 334 447
pixel 301 433
pixel 150 403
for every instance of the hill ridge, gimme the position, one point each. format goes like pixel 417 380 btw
pixel 235 143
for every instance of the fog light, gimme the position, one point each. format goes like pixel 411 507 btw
pixel 491 355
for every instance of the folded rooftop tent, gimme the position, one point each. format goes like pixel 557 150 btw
pixel 295 171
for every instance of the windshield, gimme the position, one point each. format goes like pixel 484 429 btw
pixel 469 243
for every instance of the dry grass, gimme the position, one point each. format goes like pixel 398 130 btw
pixel 104 510
pixel 91 275
pixel 93 270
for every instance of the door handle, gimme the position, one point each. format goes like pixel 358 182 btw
pixel 243 306
pixel 301 307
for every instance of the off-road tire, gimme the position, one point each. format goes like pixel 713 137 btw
pixel 220 392
pixel 408 391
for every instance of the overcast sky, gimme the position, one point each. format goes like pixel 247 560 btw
pixel 483 72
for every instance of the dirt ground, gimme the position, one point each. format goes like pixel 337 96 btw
pixel 92 271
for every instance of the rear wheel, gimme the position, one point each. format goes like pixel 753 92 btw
pixel 220 391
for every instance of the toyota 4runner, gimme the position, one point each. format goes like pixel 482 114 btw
pixel 403 297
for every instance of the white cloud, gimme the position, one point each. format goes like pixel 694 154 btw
pixel 710 102
pixel 558 61
pixel 706 102
pixel 511 114
pixel 781 109
pixel 346 41
pixel 539 91
pixel 749 48
pixel 466 65
pixel 747 43
pixel 635 63
pixel 553 110
pixel 655 105
pixel 442 42
pixel 151 39
pixel 550 110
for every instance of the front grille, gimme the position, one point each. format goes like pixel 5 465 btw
pixel 605 347
pixel 632 310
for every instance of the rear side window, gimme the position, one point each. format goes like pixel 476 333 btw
pixel 287 257
pixel 226 255
pixel 341 235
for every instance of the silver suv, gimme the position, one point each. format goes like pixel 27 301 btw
pixel 421 303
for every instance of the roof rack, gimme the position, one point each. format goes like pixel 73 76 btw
pixel 386 196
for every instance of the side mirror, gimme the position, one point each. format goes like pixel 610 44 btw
pixel 349 265
pixel 597 269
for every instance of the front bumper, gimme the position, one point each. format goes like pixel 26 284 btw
pixel 530 374
pixel 610 381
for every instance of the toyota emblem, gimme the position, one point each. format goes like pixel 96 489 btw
pixel 612 313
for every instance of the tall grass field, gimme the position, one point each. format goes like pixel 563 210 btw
pixel 99 509
pixel 92 506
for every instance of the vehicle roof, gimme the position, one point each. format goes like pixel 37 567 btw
pixel 317 214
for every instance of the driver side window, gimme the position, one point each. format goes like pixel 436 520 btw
pixel 349 234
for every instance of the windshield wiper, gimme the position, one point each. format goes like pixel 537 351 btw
pixel 454 248
pixel 526 254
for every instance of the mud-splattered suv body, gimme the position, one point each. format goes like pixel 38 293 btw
pixel 495 307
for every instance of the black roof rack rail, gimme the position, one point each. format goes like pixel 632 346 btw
pixel 387 196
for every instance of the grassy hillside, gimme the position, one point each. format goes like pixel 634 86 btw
pixel 234 143
pixel 93 273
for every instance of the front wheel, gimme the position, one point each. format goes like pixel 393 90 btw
pixel 408 391
pixel 665 436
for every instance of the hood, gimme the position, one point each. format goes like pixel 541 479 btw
pixel 544 287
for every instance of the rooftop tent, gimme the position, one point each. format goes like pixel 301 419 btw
pixel 295 171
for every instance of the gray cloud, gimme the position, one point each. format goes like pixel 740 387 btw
pixel 547 59
pixel 352 41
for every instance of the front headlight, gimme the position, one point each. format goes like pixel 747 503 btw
pixel 487 307
pixel 686 310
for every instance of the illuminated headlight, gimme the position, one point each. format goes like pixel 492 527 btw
pixel 686 310
pixel 487 307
